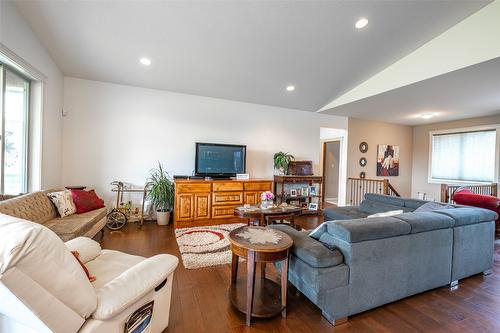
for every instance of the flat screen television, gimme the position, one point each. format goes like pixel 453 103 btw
pixel 219 160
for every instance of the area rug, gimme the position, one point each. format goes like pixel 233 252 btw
pixel 205 246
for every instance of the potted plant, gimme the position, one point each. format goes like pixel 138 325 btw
pixel 161 193
pixel 281 162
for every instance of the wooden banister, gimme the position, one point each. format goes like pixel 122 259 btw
pixel 358 187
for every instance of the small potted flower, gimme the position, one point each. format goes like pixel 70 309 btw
pixel 266 200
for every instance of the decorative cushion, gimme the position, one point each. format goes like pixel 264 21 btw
pixel 63 202
pixel 86 201
pixel 389 213
pixel 466 197
pixel 76 254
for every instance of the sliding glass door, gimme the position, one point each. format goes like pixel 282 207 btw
pixel 14 132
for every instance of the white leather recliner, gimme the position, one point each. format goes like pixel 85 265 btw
pixel 43 288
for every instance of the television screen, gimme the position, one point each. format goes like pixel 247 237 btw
pixel 217 159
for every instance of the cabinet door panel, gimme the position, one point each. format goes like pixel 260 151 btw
pixel 222 211
pixel 252 197
pixel 258 186
pixel 201 206
pixel 185 207
pixel 227 198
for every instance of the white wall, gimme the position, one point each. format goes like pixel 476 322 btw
pixel 19 38
pixel 116 132
pixel 421 152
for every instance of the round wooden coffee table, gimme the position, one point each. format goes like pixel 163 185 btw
pixel 261 297
pixel 257 213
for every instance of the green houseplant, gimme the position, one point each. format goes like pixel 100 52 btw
pixel 161 193
pixel 281 162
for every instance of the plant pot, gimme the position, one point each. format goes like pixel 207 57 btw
pixel 162 218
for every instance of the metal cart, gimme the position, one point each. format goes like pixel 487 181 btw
pixel 121 214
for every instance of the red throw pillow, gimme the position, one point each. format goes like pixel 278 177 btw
pixel 76 254
pixel 86 201
pixel 466 197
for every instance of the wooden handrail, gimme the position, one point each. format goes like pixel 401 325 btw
pixel 358 187
pixel 448 190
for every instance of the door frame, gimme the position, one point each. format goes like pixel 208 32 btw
pixel 340 140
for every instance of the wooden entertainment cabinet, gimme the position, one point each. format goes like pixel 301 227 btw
pixel 200 202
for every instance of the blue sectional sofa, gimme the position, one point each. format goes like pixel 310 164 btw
pixel 352 265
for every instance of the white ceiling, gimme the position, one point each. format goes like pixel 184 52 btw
pixel 470 92
pixel 247 51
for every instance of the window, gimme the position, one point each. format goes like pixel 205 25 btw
pixel 464 156
pixel 13 131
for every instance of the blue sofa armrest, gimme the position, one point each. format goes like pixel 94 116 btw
pixel 309 250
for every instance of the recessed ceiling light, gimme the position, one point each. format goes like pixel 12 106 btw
pixel 145 61
pixel 290 88
pixel 427 115
pixel 361 23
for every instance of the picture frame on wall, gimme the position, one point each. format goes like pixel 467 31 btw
pixel 293 193
pixel 387 160
pixel 305 191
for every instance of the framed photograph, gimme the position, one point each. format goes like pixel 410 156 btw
pixel 305 191
pixel 293 192
pixel 295 202
pixel 313 206
pixel 312 190
pixel 387 160
pixel 303 204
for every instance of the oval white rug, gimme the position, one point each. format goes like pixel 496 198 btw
pixel 205 246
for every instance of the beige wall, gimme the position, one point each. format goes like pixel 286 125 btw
pixel 421 151
pixel 375 133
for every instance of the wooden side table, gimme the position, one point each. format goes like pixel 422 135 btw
pixel 261 297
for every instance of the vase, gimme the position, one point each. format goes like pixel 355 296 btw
pixel 265 204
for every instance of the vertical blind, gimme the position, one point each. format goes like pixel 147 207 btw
pixel 467 156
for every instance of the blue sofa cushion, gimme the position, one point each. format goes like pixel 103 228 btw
pixel 359 230
pixel 309 250
pixel 385 199
pixel 469 215
pixel 432 206
pixel 426 221
pixel 343 213
pixel 372 207
pixel 414 203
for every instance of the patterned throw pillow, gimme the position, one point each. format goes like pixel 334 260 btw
pixel 64 202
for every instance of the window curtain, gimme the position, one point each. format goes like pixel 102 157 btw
pixel 468 156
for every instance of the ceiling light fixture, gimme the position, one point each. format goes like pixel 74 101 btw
pixel 361 23
pixel 427 115
pixel 290 88
pixel 145 61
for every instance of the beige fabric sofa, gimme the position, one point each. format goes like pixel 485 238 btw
pixel 37 207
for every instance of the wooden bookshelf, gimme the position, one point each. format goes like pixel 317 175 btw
pixel 284 184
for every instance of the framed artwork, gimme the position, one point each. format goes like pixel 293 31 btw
pixel 313 206
pixel 312 190
pixel 362 161
pixel 303 204
pixel 305 191
pixel 387 160
pixel 293 192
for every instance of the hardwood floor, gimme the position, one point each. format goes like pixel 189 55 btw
pixel 200 302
